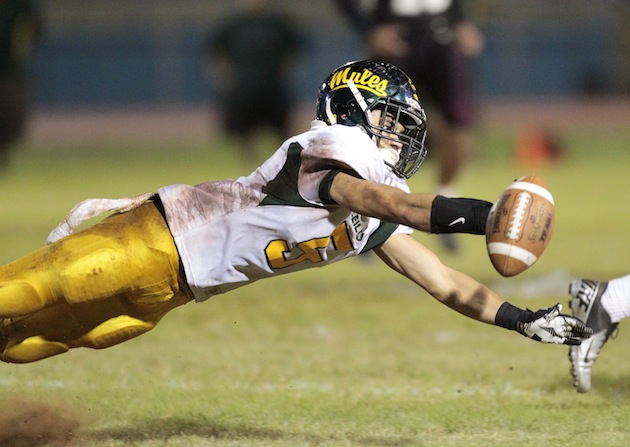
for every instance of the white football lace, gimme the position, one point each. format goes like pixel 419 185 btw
pixel 515 226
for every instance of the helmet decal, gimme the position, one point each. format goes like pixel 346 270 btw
pixel 364 80
pixel 357 95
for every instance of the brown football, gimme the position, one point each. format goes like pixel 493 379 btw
pixel 520 225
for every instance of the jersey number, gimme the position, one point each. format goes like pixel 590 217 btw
pixel 280 256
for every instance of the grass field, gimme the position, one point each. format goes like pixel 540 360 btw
pixel 350 355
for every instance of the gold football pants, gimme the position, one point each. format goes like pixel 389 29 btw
pixel 95 288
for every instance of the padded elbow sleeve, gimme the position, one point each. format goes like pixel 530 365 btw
pixel 459 215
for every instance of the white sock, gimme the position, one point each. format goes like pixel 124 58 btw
pixel 616 299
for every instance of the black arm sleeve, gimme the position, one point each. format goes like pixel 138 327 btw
pixel 324 187
pixel 459 215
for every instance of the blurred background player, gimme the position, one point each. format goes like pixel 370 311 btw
pixel 601 305
pixel 433 43
pixel 249 62
pixel 20 27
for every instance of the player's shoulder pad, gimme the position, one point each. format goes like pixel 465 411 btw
pixel 346 146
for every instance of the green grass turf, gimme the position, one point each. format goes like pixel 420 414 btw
pixel 349 355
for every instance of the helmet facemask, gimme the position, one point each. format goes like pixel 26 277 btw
pixel 403 128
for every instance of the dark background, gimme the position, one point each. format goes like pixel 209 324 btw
pixel 150 52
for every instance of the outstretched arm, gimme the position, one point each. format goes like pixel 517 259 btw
pixel 423 211
pixel 465 295
pixel 455 289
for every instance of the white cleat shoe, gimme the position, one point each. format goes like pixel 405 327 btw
pixel 586 305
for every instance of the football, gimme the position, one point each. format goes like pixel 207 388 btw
pixel 520 225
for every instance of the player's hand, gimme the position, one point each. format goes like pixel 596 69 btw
pixel 550 326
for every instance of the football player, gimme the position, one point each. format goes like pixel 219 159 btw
pixel 601 305
pixel 334 191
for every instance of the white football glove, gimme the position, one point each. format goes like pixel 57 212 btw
pixel 550 326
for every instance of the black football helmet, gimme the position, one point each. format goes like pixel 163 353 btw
pixel 357 88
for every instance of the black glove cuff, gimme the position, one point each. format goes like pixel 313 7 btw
pixel 508 316
pixel 459 215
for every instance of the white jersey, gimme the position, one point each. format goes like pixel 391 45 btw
pixel 279 219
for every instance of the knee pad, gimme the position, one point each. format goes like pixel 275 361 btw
pixel 112 332
pixel 32 349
